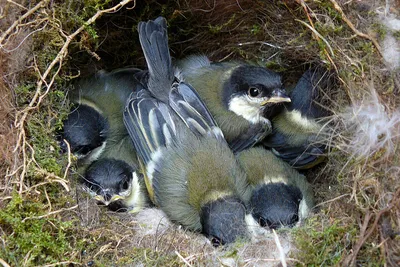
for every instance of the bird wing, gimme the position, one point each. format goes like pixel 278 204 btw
pixel 254 135
pixel 188 105
pixel 149 124
pixel 154 41
pixel 302 157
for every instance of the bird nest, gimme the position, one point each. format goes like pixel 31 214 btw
pixel 46 219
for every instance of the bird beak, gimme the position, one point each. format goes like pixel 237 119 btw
pixel 278 96
pixel 103 200
pixel 116 197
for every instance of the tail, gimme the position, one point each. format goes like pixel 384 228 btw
pixel 153 38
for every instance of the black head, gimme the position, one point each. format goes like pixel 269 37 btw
pixel 223 220
pixel 108 180
pixel 254 88
pixel 276 205
pixel 85 129
pixel 306 94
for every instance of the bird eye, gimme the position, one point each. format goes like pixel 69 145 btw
pixel 254 92
pixel 125 185
pixel 216 242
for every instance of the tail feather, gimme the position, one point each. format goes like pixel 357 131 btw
pixel 154 41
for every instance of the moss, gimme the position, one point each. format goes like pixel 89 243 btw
pixel 276 66
pixel 31 241
pixel 323 244
pixel 380 30
pixel 215 29
pixel 42 128
pixel 150 257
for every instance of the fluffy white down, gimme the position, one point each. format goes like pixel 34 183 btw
pixel 152 221
pixel 390 45
pixel 371 126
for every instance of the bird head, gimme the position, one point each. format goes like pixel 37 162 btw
pixel 276 204
pixel 254 93
pixel 85 129
pixel 223 220
pixel 110 181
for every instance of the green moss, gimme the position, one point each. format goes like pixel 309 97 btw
pixel 323 244
pixel 256 29
pixel 215 29
pixel 274 65
pixel 380 29
pixel 31 240
pixel 150 257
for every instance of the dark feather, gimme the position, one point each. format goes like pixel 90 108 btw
pixel 254 135
pixel 306 92
pixel 192 111
pixel 149 124
pixel 154 41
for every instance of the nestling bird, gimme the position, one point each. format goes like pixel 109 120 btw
pixel 296 136
pixel 280 195
pixel 192 175
pixel 96 133
pixel 242 98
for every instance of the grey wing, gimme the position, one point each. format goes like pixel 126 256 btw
pixel 149 124
pixel 302 157
pixel 188 105
pixel 154 41
pixel 255 134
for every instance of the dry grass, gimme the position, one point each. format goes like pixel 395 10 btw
pixel 44 44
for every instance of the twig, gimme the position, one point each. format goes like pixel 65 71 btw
pixel 353 28
pixel 261 43
pixel 23 40
pixel 63 263
pixel 19 5
pixel 280 249
pixel 182 258
pixel 69 159
pixel 17 22
pixel 21 116
pixel 5 264
pixel 331 200
pixel 102 249
pixel 317 34
pixel 50 213
pixel 364 235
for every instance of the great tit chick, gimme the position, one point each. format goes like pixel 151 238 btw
pixel 86 130
pixel 114 180
pixel 191 173
pixel 242 98
pixel 280 195
pixel 96 131
pixel 116 184
pixel 98 103
pixel 296 136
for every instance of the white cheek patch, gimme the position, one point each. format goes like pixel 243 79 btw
pixel 249 109
pixel 135 199
pixel 253 227
pixel 304 210
pixel 94 154
pixel 307 124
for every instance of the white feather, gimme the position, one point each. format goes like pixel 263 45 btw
pixel 371 127
pixel 151 166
